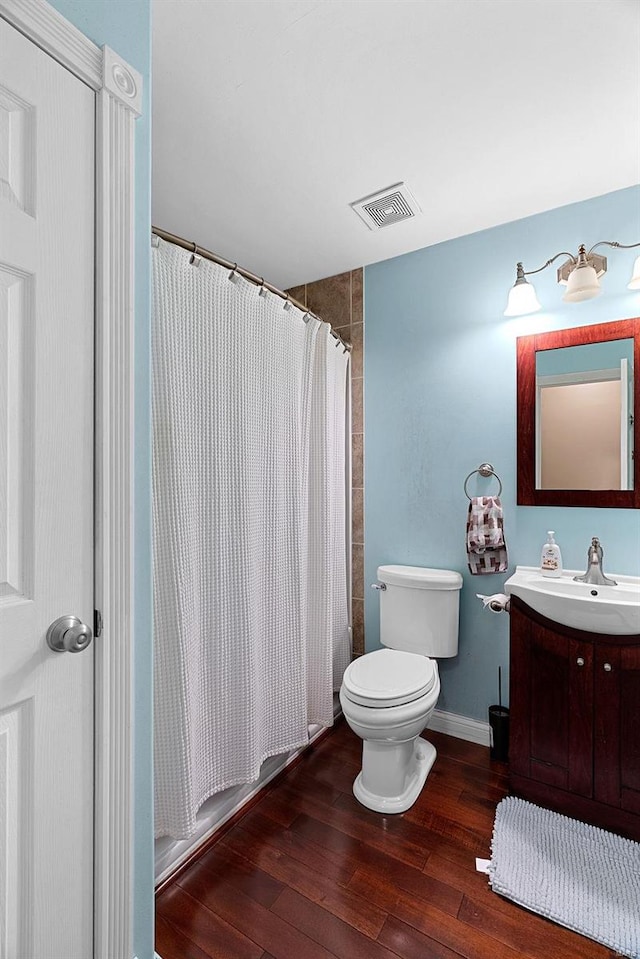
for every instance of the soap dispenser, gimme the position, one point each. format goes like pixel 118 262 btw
pixel 551 559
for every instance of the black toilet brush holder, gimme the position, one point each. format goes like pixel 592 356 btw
pixel 499 727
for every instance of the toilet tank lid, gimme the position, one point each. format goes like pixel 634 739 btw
pixel 419 577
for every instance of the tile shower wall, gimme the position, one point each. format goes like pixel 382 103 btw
pixel 339 301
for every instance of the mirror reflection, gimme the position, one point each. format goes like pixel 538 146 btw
pixel 584 422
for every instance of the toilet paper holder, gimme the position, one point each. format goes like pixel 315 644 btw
pixel 497 603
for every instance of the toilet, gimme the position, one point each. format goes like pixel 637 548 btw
pixel 388 696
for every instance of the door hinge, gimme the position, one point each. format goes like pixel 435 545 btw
pixel 97 623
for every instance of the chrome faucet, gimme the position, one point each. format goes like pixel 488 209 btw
pixel 594 573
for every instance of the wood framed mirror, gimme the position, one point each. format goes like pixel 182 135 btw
pixel 578 416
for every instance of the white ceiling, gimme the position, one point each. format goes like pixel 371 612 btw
pixel 271 116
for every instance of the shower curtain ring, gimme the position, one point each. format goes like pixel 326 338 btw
pixel 262 291
pixel 233 276
pixel 287 303
pixel 194 259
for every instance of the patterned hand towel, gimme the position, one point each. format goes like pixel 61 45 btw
pixel 486 545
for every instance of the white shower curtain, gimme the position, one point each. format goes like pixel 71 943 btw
pixel 250 596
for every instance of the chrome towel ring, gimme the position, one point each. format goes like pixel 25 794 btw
pixel 485 469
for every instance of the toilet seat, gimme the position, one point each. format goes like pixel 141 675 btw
pixel 389 677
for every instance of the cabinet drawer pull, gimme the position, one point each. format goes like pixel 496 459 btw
pixel 608 667
pixel 580 661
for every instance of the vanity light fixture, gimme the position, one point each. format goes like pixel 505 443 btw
pixel 580 274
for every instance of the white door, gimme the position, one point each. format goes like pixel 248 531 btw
pixel 46 503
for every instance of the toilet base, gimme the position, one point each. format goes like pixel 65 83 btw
pixel 422 761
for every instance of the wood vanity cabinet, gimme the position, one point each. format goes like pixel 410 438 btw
pixel 575 721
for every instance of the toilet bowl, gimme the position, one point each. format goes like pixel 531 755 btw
pixel 388 708
pixel 388 696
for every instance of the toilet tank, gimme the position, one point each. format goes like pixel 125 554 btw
pixel 419 610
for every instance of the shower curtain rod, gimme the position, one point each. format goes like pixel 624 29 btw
pixel 258 280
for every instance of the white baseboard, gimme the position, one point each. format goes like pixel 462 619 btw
pixel 461 727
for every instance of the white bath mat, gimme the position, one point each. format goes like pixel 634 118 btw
pixel 581 877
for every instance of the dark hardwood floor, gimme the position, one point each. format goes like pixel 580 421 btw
pixel 309 873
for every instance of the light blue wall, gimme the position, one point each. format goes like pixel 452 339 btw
pixel 125 25
pixel 440 398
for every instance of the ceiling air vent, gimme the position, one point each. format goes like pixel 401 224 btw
pixel 392 205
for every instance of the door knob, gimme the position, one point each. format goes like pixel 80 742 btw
pixel 69 635
pixel 580 661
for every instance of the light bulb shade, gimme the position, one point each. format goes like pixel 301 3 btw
pixel 635 278
pixel 582 285
pixel 522 299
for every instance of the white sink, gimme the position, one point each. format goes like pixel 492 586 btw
pixel 613 610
